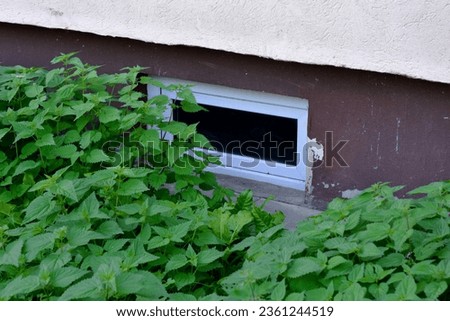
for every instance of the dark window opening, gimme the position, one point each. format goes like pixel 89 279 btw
pixel 260 136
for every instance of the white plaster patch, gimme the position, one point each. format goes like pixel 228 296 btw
pixel 328 185
pixel 351 193
pixel 315 150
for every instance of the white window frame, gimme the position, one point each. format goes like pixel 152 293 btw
pixel 258 102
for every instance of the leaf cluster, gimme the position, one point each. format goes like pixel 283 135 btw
pixel 96 202
pixel 372 247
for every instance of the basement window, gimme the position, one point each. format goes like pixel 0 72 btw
pixel 258 136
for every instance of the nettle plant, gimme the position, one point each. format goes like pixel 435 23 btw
pixel 372 247
pixel 95 202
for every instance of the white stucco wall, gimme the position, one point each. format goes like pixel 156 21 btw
pixel 407 37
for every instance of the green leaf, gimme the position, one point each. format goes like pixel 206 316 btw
pixel 400 237
pixel 370 251
pixel 3 132
pixel 191 107
pixel 103 178
pixel 28 150
pixel 11 255
pixel 109 229
pixel 427 251
pixel 156 180
pixel 335 261
pixel 54 261
pixel 130 209
pixel 23 129
pixel 85 289
pixel 88 137
pixel 19 286
pixel 25 166
pixel 65 276
pixel 200 140
pixel 177 261
pixel 96 156
pixel 53 78
pixel 180 184
pixel 105 261
pixel 157 241
pixel 129 121
pixel 335 242
pixel 66 92
pixel 115 245
pixel 303 266
pixel 66 151
pixel 160 100
pixel 173 127
pixel 444 268
pixel 238 221
pixel 72 136
pixel 11 93
pixel 65 188
pixel 46 140
pixel 348 247
pixel 430 189
pixel 207 256
pixel 78 235
pixel 135 172
pixel 279 292
pixel 188 132
pixel 183 279
pixel 109 114
pixel 391 260
pixel 81 109
pixel 295 297
pixel 352 221
pixel 207 237
pixel 374 232
pixel 37 244
pixel 186 94
pixel 406 289
pixel 354 293
pixel 244 200
pixel 317 294
pixel 426 268
pixel 379 291
pixel 177 232
pixel 39 208
pixel 141 283
pixel 357 273
pixel 434 289
pixel 90 206
pixel 150 139
pixel 136 255
pixel 33 90
pixel 132 187
pixel 190 253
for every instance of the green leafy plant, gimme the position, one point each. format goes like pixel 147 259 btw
pixel 372 247
pixel 95 202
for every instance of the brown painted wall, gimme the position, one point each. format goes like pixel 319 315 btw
pixel 398 129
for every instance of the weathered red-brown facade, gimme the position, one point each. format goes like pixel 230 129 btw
pixel 398 129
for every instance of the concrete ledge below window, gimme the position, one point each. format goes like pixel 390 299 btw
pixel 287 200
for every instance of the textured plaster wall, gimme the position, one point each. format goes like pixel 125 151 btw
pixel 407 37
